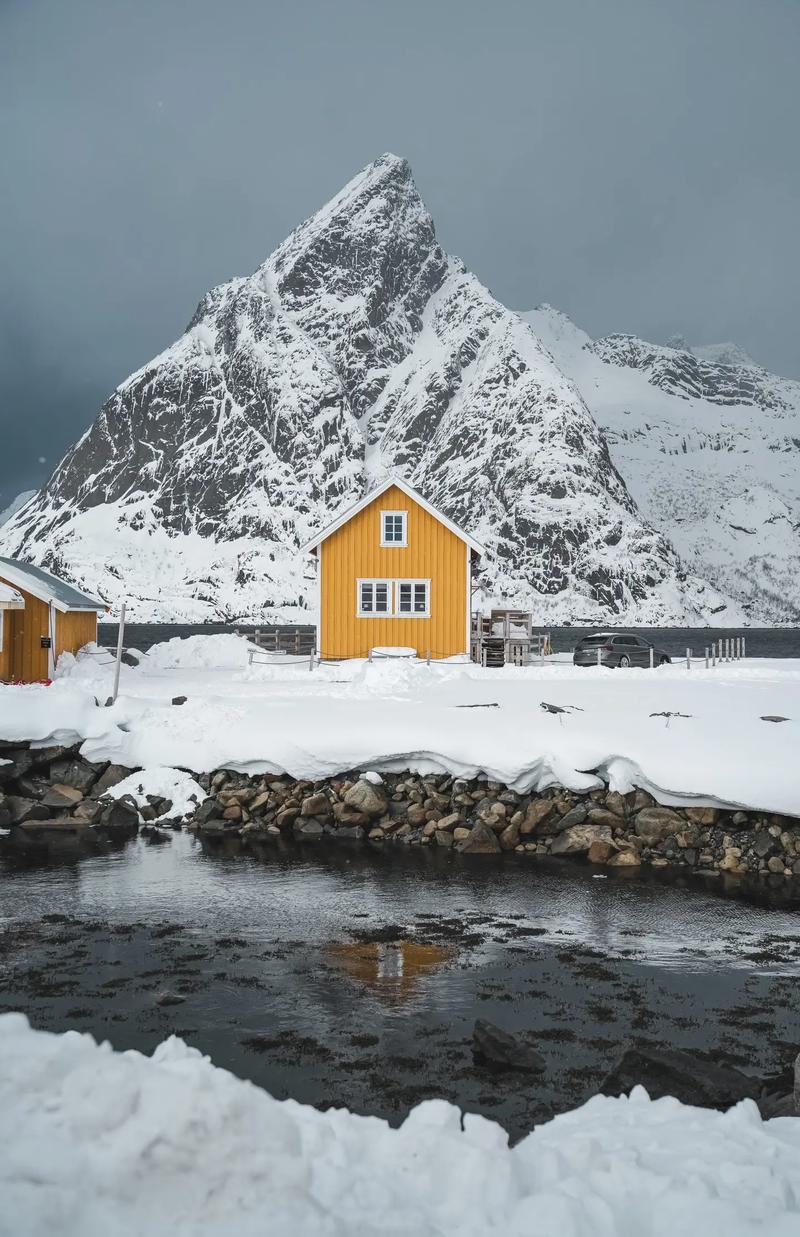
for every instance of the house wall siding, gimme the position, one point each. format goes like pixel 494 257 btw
pixel 354 552
pixel 23 660
pixel 74 629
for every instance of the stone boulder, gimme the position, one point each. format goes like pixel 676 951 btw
pixel 316 805
pixel 493 1046
pixel 538 812
pixel 575 816
pixel 600 852
pixel 77 773
pixel 122 813
pixel 367 797
pixel 693 1078
pixel 626 859
pixel 21 809
pixel 579 838
pixel 113 775
pixel 653 824
pixel 481 840
pixel 62 796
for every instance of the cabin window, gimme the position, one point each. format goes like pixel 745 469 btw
pixel 374 598
pixel 393 528
pixel 413 598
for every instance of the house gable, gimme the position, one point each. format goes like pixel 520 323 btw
pixel 410 588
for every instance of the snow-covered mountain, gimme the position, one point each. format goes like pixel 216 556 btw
pixel 15 505
pixel 358 347
pixel 709 445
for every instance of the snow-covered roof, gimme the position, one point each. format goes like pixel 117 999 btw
pixel 10 599
pixel 411 493
pixel 47 587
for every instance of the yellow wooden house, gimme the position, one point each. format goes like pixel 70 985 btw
pixel 41 617
pixel 394 573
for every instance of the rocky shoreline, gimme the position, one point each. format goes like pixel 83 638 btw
pixel 49 794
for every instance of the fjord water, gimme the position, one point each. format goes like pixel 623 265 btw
pixel 346 977
pixel 761 641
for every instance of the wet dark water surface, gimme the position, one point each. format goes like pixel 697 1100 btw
pixel 352 978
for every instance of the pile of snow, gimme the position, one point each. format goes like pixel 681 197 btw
pixel 222 652
pixel 175 785
pixel 97 1142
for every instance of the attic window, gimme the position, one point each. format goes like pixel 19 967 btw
pixel 393 528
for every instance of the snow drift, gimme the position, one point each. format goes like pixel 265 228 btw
pixel 98 1142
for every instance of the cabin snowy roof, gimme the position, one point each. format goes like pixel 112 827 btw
pixel 47 587
pixel 376 493
pixel 10 599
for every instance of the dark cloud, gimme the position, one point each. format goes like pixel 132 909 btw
pixel 632 161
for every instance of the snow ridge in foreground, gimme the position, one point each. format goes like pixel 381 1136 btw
pixel 98 1142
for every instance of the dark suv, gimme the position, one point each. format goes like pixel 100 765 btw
pixel 617 649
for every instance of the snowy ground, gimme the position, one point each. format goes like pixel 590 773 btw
pixel 97 1142
pixel 394 715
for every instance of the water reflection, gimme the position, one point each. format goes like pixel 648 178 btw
pixel 391 968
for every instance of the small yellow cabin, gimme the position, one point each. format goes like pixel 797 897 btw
pixel 41 617
pixel 394 573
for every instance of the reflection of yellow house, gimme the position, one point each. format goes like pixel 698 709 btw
pixel 394 572
pixel 390 967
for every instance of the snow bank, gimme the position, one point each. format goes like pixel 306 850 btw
pixel 689 737
pixel 97 1142
pixel 176 785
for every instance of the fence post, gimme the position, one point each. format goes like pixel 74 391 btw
pixel 744 647
pixel 120 639
pixel 599 663
pixel 652 657
pixel 428 657
pixel 311 659
pixel 688 659
pixel 541 647
pixel 706 659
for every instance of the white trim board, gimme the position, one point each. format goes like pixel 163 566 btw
pixel 376 493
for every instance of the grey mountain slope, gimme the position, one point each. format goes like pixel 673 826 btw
pixel 358 348
pixel 710 450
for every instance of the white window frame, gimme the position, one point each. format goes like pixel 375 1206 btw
pixel 394 545
pixel 412 614
pixel 374 613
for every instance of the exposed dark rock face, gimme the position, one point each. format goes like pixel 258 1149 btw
pixel 680 372
pixel 358 348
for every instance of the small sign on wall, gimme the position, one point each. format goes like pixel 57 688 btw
pixel 45 642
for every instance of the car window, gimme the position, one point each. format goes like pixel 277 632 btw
pixel 591 641
pixel 627 642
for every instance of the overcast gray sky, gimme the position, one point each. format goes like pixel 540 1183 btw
pixel 634 162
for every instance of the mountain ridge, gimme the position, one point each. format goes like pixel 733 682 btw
pixel 358 348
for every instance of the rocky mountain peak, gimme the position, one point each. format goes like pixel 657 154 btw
pixel 358 347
